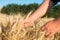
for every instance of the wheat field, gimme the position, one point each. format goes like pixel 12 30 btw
pixel 11 28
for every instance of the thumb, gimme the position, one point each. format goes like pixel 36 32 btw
pixel 44 28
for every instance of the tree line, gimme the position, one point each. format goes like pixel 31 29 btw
pixel 25 9
pixel 15 8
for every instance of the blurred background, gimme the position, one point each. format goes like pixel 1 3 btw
pixel 25 6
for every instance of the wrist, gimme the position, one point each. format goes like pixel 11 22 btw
pixel 57 22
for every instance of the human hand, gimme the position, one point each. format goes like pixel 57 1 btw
pixel 27 22
pixel 51 28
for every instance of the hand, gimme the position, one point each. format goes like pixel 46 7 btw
pixel 51 28
pixel 27 23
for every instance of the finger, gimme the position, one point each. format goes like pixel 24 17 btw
pixel 26 25
pixel 51 34
pixel 47 33
pixel 44 28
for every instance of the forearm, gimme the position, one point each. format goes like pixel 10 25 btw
pixel 41 11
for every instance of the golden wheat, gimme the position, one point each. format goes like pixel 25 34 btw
pixel 11 28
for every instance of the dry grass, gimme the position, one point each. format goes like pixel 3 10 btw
pixel 11 29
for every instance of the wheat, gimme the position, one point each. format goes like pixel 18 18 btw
pixel 11 28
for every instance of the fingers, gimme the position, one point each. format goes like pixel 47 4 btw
pixel 47 34
pixel 51 34
pixel 26 24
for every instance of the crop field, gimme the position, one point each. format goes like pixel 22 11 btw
pixel 11 28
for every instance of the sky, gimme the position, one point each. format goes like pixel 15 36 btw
pixel 5 2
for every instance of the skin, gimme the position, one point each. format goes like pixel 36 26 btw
pixel 38 13
pixel 51 27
